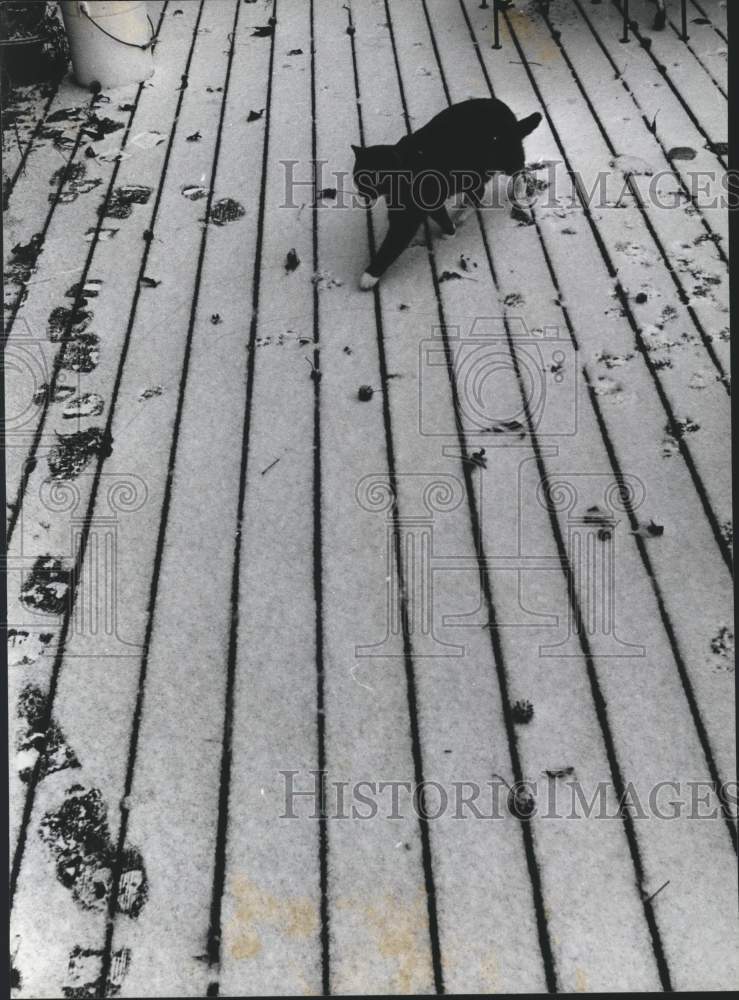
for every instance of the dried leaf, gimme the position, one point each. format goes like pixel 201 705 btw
pixel 681 153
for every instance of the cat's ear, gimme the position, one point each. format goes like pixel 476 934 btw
pixel 356 150
pixel 527 125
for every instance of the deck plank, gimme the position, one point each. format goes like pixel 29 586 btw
pixel 24 112
pixel 587 450
pixel 492 957
pixel 714 10
pixel 82 246
pixel 379 934
pixel 706 46
pixel 171 938
pixel 38 531
pixel 660 106
pixel 89 689
pixel 604 333
pixel 270 919
pixel 30 204
pixel 710 689
pixel 641 267
pixel 506 517
pixel 699 92
pixel 671 126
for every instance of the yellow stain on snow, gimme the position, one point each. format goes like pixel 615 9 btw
pixel 581 981
pixel 536 33
pixel 302 986
pixel 256 909
pixel 490 973
pixel 400 929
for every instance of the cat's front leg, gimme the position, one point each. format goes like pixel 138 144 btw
pixel 367 282
pixel 442 218
pixel 403 226
pixel 471 199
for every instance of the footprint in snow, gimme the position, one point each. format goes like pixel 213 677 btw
pixel 632 166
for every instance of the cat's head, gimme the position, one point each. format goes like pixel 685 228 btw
pixel 373 168
pixel 509 146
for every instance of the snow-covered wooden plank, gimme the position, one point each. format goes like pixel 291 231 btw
pixel 714 11
pixel 510 534
pixel 634 419
pixel 379 938
pixel 607 353
pixel 271 923
pixel 707 47
pixel 631 620
pixel 670 140
pixel 100 675
pixel 172 941
pixel 24 111
pixel 662 216
pixel 457 696
pixel 38 306
pixel 681 74
pixel 642 270
pixel 65 489
pixel 74 237
pixel 71 121
pixel 54 146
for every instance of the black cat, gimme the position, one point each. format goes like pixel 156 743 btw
pixel 456 152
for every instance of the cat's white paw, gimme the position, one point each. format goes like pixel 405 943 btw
pixel 368 281
pixel 447 236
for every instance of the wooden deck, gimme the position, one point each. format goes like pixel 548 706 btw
pixel 224 565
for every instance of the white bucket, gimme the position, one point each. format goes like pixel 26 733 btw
pixel 106 39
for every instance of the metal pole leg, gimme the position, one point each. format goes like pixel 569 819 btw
pixel 626 21
pixel 496 25
pixel 685 19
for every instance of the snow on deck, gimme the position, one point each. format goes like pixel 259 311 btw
pixel 471 530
